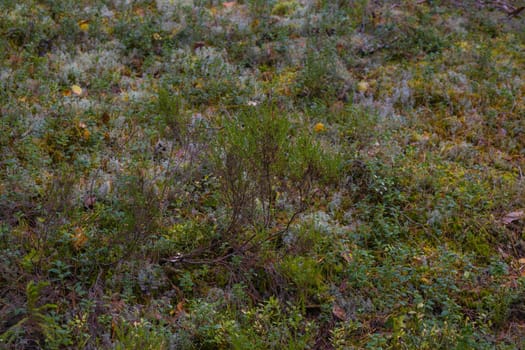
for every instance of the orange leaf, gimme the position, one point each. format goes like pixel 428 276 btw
pixel 86 134
pixel 180 306
pixel 79 238
pixel 178 310
pixel 229 4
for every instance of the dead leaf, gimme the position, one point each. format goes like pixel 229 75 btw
pixel 180 306
pixel 105 118
pixel 178 310
pixel 522 261
pixel 198 45
pixel 79 238
pixel 86 134
pixel 229 4
pixel 339 312
pixel 513 216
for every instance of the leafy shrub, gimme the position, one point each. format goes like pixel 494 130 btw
pixel 255 150
pixel 319 78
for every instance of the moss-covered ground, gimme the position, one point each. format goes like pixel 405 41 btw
pixel 262 174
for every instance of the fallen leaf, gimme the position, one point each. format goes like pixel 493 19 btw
pixel 77 90
pixel 79 238
pixel 178 310
pixel 198 45
pixel 522 261
pixel 339 312
pixel 86 134
pixel 319 127
pixel 180 306
pixel 84 25
pixel 229 4
pixel 363 86
pixel 513 216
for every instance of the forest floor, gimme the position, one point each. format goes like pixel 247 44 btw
pixel 262 174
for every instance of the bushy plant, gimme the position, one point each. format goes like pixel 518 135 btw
pixel 260 154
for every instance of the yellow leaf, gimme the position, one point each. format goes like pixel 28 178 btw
pixel 84 25
pixel 77 90
pixel 522 261
pixel 464 45
pixel 319 127
pixel 363 86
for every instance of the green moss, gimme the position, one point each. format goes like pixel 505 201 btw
pixel 284 8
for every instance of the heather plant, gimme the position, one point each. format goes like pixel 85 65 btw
pixel 256 149
pixel 319 78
